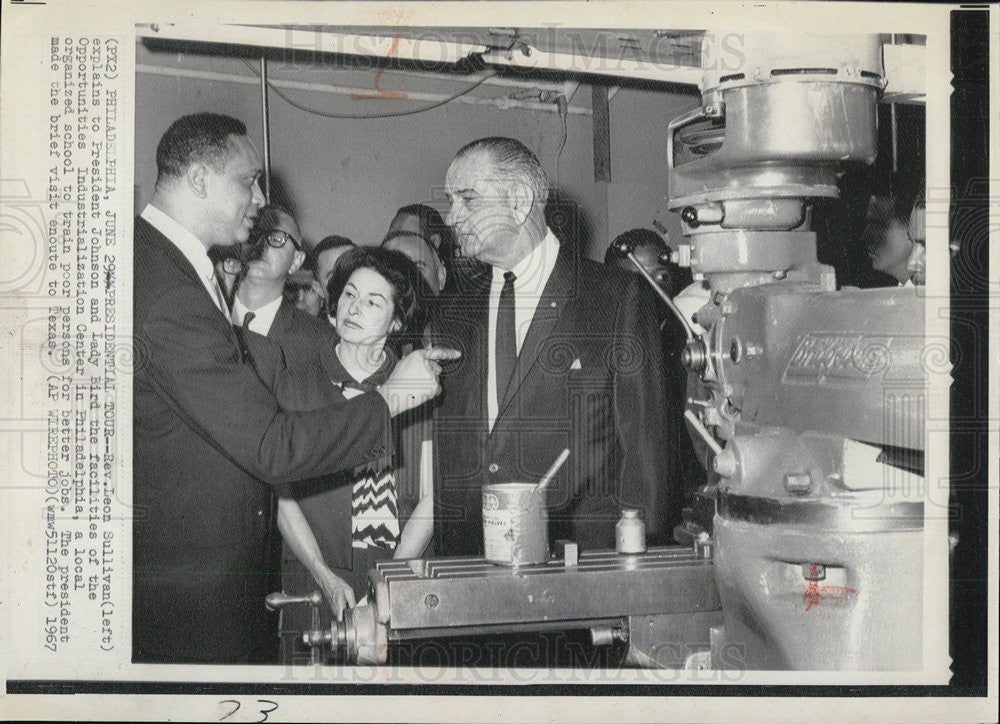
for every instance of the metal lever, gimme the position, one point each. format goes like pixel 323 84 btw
pixel 278 601
pixel 626 247
pixel 703 432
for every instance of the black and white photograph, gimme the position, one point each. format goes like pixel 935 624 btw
pixel 435 351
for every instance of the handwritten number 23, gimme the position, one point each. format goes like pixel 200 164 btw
pixel 263 711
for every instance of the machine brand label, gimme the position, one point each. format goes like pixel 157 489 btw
pixel 830 358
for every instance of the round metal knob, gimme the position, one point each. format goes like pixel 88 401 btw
pixel 277 601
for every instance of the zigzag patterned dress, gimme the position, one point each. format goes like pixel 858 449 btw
pixel 375 523
pixel 374 508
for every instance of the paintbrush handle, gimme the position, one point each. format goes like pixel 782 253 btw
pixel 553 470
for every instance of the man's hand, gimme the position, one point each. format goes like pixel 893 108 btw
pixel 415 379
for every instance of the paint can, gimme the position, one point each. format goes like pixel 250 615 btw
pixel 515 524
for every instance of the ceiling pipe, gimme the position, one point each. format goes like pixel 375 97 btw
pixel 312 40
pixel 501 102
pixel 266 123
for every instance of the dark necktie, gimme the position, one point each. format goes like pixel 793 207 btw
pixel 506 338
pixel 241 336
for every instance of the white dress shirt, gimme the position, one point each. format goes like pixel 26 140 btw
pixel 532 274
pixel 193 250
pixel 263 316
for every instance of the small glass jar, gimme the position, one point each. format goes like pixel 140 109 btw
pixel 630 533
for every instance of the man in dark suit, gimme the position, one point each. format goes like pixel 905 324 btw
pixel 208 438
pixel 558 352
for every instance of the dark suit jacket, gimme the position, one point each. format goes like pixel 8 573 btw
pixel 589 377
pixel 208 438
pixel 300 335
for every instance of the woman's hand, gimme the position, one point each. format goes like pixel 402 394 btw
pixel 336 591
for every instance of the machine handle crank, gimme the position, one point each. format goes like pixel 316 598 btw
pixel 626 248
pixel 278 601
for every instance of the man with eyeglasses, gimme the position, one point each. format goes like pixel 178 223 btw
pixel 209 439
pixel 260 306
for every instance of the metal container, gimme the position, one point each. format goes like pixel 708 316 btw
pixel 630 533
pixel 515 524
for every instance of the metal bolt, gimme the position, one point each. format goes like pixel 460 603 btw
pixel 736 350
pixel 798 483
pixel 780 274
pixel 431 601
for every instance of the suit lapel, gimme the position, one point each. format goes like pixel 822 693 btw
pixel 153 236
pixel 558 292
pixel 281 324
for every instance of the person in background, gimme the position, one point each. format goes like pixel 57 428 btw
pixel 887 235
pixel 260 305
pixel 651 250
pixel 421 252
pixel 427 222
pixel 917 231
pixel 209 439
pixel 885 238
pixel 324 257
pixel 304 293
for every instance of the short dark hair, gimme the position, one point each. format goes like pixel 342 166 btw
pixel 294 283
pixel 431 223
pixel 325 244
pixel 402 234
pixel 410 292
pixel 894 205
pixel 198 138
pixel 268 220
